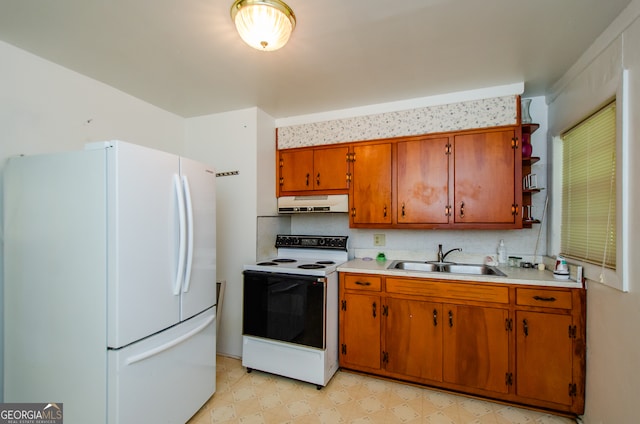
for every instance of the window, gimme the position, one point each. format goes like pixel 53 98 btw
pixel 588 231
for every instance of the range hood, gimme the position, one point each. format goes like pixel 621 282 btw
pixel 307 204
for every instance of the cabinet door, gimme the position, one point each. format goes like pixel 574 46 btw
pixel 476 347
pixel 423 181
pixel 544 355
pixel 296 170
pixel 484 178
pixel 413 338
pixel 330 168
pixel 371 187
pixel 360 335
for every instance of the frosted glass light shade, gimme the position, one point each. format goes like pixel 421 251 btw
pixel 263 24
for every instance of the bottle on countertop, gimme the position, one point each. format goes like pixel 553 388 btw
pixel 502 253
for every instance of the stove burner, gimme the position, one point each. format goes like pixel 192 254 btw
pixel 311 266
pixel 326 262
pixel 267 263
pixel 284 260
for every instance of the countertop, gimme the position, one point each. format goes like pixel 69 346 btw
pixel 524 276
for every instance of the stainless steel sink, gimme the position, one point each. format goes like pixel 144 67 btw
pixel 471 269
pixel 448 268
pixel 414 266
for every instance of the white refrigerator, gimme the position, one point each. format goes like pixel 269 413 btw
pixel 110 283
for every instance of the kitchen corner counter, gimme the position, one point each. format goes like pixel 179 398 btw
pixel 524 276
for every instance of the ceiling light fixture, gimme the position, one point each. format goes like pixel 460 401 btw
pixel 263 24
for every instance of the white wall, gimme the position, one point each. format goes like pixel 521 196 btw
pixel 613 317
pixel 242 141
pixel 46 108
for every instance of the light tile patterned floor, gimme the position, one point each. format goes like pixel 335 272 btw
pixel 259 397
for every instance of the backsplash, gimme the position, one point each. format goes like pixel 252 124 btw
pixel 482 113
pixel 411 244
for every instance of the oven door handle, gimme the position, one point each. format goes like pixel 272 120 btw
pixel 284 289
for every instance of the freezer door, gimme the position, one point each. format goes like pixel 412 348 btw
pixel 199 284
pixel 142 240
pixel 165 378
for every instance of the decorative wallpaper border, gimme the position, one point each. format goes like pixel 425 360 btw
pixel 482 113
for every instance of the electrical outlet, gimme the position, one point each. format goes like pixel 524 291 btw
pixel 378 239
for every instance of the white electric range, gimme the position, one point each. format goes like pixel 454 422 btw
pixel 290 314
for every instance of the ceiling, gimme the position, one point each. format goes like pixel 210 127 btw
pixel 185 56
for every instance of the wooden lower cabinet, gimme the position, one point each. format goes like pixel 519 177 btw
pixel 544 356
pixel 518 344
pixel 360 311
pixel 413 338
pixel 361 327
pixel 476 347
pixel 550 336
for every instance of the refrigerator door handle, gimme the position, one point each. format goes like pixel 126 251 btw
pixel 188 203
pixel 159 349
pixel 182 234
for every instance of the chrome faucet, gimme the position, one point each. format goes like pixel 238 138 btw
pixel 441 255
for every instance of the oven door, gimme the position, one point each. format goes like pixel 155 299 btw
pixel 286 307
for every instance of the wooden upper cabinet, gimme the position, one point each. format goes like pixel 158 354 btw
pixel 423 181
pixel 370 195
pixel 486 168
pixel 330 168
pixel 465 179
pixel 313 169
pixel 296 170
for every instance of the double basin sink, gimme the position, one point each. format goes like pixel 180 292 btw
pixel 447 268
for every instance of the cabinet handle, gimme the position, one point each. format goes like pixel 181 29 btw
pixel 363 283
pixel 353 212
pixel 525 327
pixel 403 210
pixel 307 182
pixel 514 209
pixel 462 210
pixel 374 309
pixel 435 317
pixel 318 179
pixel 385 211
pixel 450 319
pixel 545 299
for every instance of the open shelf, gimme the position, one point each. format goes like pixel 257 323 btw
pixel 526 169
pixel 529 128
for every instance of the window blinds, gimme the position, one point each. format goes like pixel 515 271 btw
pixel 589 190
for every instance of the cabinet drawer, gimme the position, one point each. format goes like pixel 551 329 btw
pixel 362 282
pixel 448 290
pixel 544 298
